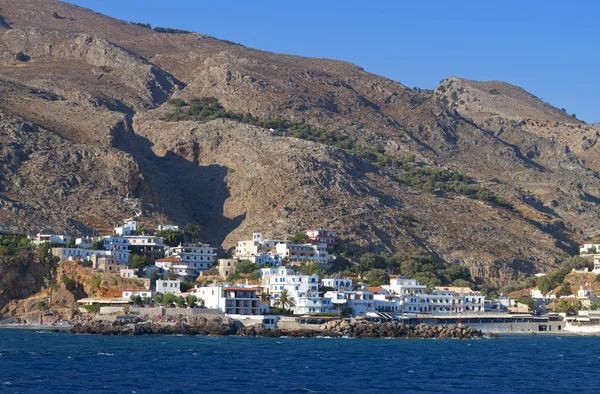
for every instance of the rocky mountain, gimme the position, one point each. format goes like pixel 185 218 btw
pixel 85 142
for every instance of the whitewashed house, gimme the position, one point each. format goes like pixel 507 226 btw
pixel 322 236
pixel 260 251
pixel 230 300
pixel 304 253
pixel 164 286
pixel 168 227
pixel 304 289
pixel 589 249
pixel 203 255
pixel 85 243
pixel 128 228
pixel 72 254
pixel 127 294
pixel 337 283
pixel 360 302
pixel 185 270
pixel 53 239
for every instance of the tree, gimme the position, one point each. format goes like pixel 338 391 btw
pixel 340 264
pixel 139 262
pixel 245 267
pixel 176 102
pixel 576 262
pixel 171 237
pixel 179 301
pixel 310 268
pixel 168 299
pixel 461 283
pixel 158 298
pixel 369 261
pixel 456 272
pixel 285 301
pixel 233 277
pixel 96 280
pixel 595 307
pixel 136 299
pixel 48 261
pixel 191 300
pixel 564 291
pixel 376 277
pixel 550 281
pixel 191 232
pixel 255 275
pixel 298 238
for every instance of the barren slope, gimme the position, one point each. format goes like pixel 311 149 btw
pixel 98 87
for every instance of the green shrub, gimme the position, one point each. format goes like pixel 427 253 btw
pixel 144 25
pixel 69 283
pixel 95 309
pixel 176 102
pixel 171 31
pixel 233 277
pixel 96 280
pixel 255 275
pixel 245 267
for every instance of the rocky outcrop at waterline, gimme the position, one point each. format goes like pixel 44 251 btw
pixel 395 329
pixel 189 325
pixel 221 325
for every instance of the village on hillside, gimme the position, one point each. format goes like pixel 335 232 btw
pixel 285 281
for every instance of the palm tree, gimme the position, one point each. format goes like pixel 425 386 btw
pixel 285 301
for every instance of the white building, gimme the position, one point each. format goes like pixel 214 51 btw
pixel 86 243
pixel 303 289
pixel 127 294
pixel 404 286
pixel 589 249
pixel 185 270
pixel 408 296
pixel 322 236
pixel 455 299
pixel 360 302
pixel 304 253
pixel 203 255
pixel 337 283
pixel 139 244
pixel 50 238
pixel 168 227
pixel 164 286
pixel 596 269
pixel 128 228
pixel 537 294
pixel 72 254
pixel 230 300
pixel 260 251
pixel 127 273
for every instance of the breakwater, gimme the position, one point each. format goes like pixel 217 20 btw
pixel 222 325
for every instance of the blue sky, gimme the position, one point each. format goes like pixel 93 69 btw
pixel 550 48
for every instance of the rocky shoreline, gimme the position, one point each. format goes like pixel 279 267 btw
pixel 225 326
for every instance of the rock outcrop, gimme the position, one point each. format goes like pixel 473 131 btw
pixel 187 325
pixel 222 325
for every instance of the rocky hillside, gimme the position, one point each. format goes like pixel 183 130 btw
pixel 85 97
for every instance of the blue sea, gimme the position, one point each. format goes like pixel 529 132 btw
pixel 43 362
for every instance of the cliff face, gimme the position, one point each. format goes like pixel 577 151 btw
pixel 19 278
pixel 86 146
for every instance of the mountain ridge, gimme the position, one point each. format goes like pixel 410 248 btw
pixel 102 87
